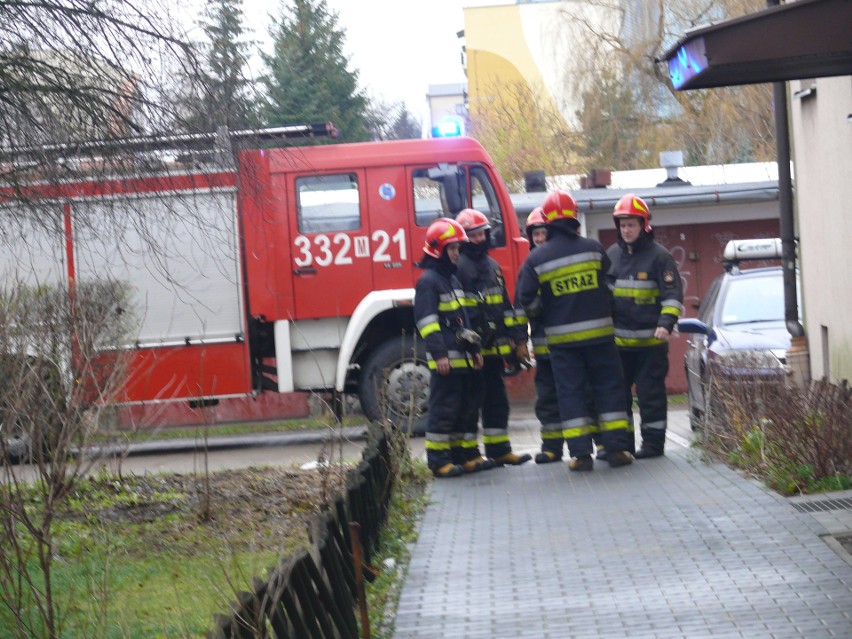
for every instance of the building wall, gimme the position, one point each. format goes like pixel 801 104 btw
pixel 695 229
pixel 445 106
pixel 822 157
pixel 538 45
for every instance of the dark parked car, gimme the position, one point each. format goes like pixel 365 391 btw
pixel 31 399
pixel 740 330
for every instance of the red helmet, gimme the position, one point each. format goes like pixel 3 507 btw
pixel 535 220
pixel 559 205
pixel 441 232
pixel 631 205
pixel 473 220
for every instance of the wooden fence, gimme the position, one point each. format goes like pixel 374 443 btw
pixel 313 594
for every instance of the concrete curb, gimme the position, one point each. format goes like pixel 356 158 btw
pixel 185 444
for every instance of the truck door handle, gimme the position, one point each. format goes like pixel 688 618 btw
pixel 305 271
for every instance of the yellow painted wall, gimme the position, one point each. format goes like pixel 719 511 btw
pixel 498 55
pixel 539 44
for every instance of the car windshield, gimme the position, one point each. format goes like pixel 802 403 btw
pixel 754 299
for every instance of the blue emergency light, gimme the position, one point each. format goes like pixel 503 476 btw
pixel 689 61
pixel 448 128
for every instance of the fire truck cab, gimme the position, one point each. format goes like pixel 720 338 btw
pixel 283 269
pixel 335 240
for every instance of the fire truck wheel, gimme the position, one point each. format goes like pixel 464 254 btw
pixel 394 385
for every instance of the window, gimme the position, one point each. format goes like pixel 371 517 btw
pixel 328 203
pixel 757 299
pixel 444 195
pixel 485 200
pixel 708 304
pixel 429 200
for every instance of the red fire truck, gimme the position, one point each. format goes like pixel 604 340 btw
pixel 266 269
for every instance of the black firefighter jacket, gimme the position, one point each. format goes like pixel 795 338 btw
pixel 647 290
pixel 439 316
pixel 488 305
pixel 562 285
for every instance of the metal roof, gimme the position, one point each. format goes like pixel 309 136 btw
pixel 797 40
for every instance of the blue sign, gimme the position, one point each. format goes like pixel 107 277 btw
pixel 387 191
pixel 689 61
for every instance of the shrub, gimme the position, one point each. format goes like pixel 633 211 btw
pixel 798 440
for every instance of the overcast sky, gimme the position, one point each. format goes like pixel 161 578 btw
pixel 400 47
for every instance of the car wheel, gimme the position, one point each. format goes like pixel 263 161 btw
pixel 31 429
pixel 25 443
pixel 394 385
pixel 15 444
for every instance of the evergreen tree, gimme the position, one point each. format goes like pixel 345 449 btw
pixel 307 76
pixel 220 92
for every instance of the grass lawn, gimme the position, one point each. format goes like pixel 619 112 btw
pixel 167 595
pixel 160 555
pixel 678 400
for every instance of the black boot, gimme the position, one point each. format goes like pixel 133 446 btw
pixel 647 452
pixel 512 459
pixel 619 458
pixel 581 464
pixel 478 463
pixel 448 470
pixel 546 457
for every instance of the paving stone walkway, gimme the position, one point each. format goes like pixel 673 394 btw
pixel 670 547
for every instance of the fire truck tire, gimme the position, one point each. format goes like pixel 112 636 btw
pixel 394 385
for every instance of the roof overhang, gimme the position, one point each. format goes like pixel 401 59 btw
pixel 797 40
pixel 597 201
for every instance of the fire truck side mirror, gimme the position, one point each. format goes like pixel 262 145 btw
pixel 452 182
pixel 454 192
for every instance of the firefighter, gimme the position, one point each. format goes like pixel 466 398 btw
pixel 562 285
pixel 503 332
pixel 546 405
pixel 648 296
pixel 452 352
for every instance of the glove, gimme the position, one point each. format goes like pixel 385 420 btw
pixel 534 308
pixel 469 340
pixel 469 336
pixel 522 352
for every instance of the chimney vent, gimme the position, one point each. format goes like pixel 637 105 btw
pixel 598 179
pixel 671 161
pixel 535 182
